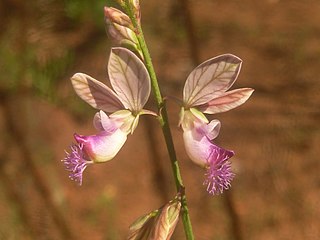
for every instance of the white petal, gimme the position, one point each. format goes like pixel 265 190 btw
pixel 95 93
pixel 227 101
pixel 97 122
pixel 102 122
pixel 103 146
pixel 213 129
pixel 211 79
pixel 109 146
pixel 198 146
pixel 129 78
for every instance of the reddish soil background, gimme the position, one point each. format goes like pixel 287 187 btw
pixel 275 135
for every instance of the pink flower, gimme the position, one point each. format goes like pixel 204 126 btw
pixel 131 83
pixel 205 91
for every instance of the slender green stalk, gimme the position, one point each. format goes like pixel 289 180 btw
pixel 163 120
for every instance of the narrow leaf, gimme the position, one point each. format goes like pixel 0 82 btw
pixel 227 101
pixel 211 79
pixel 95 93
pixel 129 78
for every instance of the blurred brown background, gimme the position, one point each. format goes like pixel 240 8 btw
pixel 275 135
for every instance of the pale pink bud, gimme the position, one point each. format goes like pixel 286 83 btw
pixel 116 16
pixel 157 225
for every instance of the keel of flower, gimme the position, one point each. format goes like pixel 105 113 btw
pixel 103 146
pixel 93 149
pixel 219 174
pixel 76 162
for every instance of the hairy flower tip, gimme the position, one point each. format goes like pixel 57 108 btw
pixel 219 174
pixel 76 162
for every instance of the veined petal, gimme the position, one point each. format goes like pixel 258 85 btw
pixel 95 93
pixel 102 122
pixel 129 78
pixel 211 79
pixel 103 146
pixel 227 101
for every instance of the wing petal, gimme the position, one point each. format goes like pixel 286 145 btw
pixel 211 79
pixel 96 93
pixel 227 101
pixel 129 78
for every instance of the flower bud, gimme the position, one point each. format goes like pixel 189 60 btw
pixel 158 224
pixel 120 29
pixel 167 220
pixel 116 16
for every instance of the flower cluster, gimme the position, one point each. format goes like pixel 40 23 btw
pixel 205 92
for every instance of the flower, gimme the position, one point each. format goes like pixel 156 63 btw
pixel 131 83
pixel 205 91
pixel 200 148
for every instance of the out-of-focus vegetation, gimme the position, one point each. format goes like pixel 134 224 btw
pixel 40 40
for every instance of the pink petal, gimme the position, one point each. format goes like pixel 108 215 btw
pixel 213 129
pixel 129 78
pixel 227 101
pixel 211 79
pixel 103 146
pixel 197 146
pixel 102 122
pixel 95 93
pixel 198 139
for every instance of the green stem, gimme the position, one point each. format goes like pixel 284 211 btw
pixel 163 120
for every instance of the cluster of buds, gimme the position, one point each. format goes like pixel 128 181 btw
pixel 120 28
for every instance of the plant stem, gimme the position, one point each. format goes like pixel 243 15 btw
pixel 163 120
